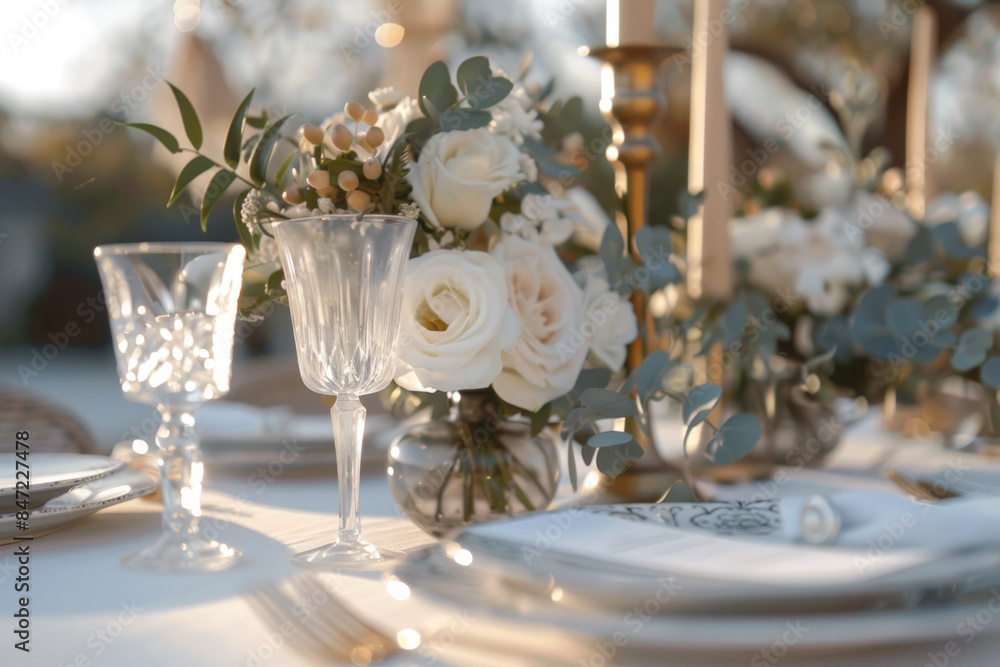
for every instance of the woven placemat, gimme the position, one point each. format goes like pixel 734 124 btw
pixel 51 428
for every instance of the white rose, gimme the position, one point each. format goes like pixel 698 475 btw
pixel 455 321
pixel 459 174
pixel 552 348
pixel 590 219
pixel 393 123
pixel 540 220
pixel 886 227
pixel 820 261
pixel 609 320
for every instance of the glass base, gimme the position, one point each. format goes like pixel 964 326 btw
pixel 194 553
pixel 360 554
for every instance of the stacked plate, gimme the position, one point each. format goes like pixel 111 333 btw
pixel 706 580
pixel 55 489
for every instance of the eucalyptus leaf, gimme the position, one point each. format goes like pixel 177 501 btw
pixel 904 316
pixel 654 245
pixel 192 126
pixel 609 439
pixel 590 378
pixel 571 467
pixel 234 136
pixel 473 74
pixel 972 349
pixel 436 89
pixel 700 402
pixel 736 438
pixel 736 319
pixel 990 373
pixel 612 250
pixel 950 237
pixel 612 460
pixel 465 119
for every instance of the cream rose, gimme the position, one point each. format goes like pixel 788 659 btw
pixel 609 321
pixel 454 323
pixel 459 173
pixel 550 352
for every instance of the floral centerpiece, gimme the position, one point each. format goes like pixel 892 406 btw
pixel 510 324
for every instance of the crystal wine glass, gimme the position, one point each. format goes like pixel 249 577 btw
pixel 172 308
pixel 344 279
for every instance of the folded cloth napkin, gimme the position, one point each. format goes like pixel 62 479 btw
pixel 874 519
pixel 755 542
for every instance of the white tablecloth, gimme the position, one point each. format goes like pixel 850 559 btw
pixel 87 610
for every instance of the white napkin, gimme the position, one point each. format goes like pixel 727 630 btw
pixel 878 521
pixel 666 538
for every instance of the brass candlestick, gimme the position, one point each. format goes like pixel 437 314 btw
pixel 634 105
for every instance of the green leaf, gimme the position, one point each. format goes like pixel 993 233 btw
pixel 990 373
pixel 216 188
pixel 654 244
pixel 279 175
pixel 474 74
pixel 734 440
pixel 609 439
pixel 262 153
pixel 571 466
pixel 192 126
pixel 612 460
pixel 191 171
pixel 436 88
pixel 168 140
pixel 540 419
pixel 258 122
pixel 590 378
pixel 597 404
pixel 700 402
pixel 736 319
pixel 972 349
pixel 234 136
pixel 822 361
pixel 465 119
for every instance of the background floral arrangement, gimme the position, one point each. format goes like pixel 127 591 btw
pixel 868 300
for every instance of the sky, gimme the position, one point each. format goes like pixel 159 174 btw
pixel 60 58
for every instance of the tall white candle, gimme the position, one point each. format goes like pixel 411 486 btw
pixel 710 273
pixel 631 22
pixel 923 48
pixel 993 238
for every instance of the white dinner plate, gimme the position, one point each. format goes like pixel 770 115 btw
pixel 696 557
pixel 78 502
pixel 48 474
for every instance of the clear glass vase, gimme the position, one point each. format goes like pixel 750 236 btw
pixel 344 278
pixel 472 467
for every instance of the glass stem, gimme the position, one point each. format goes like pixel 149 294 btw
pixel 180 471
pixel 348 429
